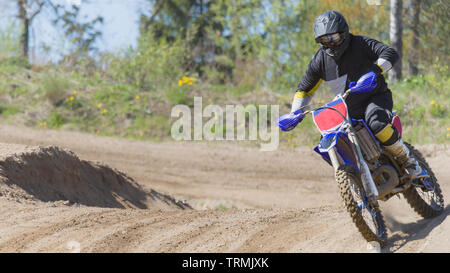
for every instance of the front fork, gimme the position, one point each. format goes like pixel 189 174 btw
pixel 366 177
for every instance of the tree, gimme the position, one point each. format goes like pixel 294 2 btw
pixel 395 36
pixel 434 28
pixel 413 59
pixel 82 35
pixel 186 19
pixel 219 34
pixel 27 11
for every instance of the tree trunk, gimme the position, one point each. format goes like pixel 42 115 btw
pixel 157 9
pixel 414 51
pixel 25 37
pixel 395 36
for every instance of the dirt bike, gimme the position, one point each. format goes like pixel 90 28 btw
pixel 365 173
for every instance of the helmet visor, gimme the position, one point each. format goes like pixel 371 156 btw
pixel 330 40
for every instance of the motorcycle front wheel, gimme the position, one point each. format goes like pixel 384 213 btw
pixel 368 219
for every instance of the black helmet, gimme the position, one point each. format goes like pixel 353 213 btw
pixel 332 22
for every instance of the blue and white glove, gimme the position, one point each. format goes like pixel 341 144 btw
pixel 289 121
pixel 365 84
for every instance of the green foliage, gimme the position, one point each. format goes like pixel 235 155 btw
pixel 55 120
pixel 177 96
pixel 155 64
pixel 82 35
pixel 438 110
pixel 55 88
pixel 250 52
pixel 9 42
pixel 72 103
pixel 9 110
pixel 423 103
pixel 222 207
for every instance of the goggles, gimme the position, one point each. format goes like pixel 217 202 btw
pixel 329 40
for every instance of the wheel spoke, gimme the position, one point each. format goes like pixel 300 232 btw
pixel 425 196
pixel 426 188
pixel 367 219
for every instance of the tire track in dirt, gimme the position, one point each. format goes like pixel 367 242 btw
pixel 22 241
pixel 265 207
pixel 128 235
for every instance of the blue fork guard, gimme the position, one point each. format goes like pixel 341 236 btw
pixel 344 148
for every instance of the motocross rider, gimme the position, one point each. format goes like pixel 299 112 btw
pixel 344 58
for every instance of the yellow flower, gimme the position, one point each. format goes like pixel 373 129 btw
pixel 104 111
pixel 99 105
pixel 71 98
pixel 188 80
pixel 448 129
pixel 209 100
pixel 138 97
pixel 75 92
pixel 43 124
pixel 180 82
pixel 432 102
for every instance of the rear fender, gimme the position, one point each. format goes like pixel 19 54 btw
pixel 397 124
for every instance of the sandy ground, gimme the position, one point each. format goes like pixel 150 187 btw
pixel 236 198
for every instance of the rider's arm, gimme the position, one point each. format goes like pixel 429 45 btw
pixel 308 85
pixel 385 56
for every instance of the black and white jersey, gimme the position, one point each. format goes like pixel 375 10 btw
pixel 360 56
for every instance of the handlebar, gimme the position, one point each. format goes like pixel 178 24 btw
pixel 365 84
pixel 343 96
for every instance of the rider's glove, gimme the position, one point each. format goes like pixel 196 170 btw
pixel 366 83
pixel 289 121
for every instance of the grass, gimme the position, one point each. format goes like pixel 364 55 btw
pixel 222 207
pixel 55 89
pixel 50 97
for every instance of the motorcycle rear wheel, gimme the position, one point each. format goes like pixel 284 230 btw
pixel 368 220
pixel 427 203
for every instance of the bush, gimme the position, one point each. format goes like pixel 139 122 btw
pixel 55 120
pixel 55 89
pixel 438 110
pixel 177 96
pixel 155 64
pixel 8 110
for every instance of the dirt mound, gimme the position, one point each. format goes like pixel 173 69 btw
pixel 52 174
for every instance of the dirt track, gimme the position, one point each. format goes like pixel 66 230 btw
pixel 282 201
